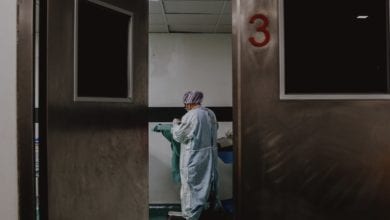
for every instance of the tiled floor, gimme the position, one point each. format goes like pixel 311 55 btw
pixel 160 212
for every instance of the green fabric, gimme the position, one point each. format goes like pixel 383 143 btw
pixel 165 130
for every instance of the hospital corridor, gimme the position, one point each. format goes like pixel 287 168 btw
pixel 195 110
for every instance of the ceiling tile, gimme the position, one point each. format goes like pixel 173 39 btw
pixel 193 7
pixel 158 29
pixel 226 19
pixel 194 0
pixel 228 8
pixel 192 28
pixel 224 29
pixel 190 16
pixel 155 7
pixel 192 19
pixel 156 19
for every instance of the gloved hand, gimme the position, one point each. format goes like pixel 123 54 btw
pixel 176 121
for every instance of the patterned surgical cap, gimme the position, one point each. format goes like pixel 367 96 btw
pixel 195 97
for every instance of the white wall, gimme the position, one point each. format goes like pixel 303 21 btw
pixel 177 63
pixel 181 62
pixel 8 155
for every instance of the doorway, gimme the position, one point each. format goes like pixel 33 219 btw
pixel 189 49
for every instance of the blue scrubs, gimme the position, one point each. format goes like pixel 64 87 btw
pixel 197 134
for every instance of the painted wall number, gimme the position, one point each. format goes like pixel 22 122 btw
pixel 262 28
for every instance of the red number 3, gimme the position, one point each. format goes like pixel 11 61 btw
pixel 261 28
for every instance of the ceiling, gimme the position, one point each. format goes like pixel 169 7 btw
pixel 188 16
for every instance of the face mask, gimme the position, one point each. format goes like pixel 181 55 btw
pixel 186 108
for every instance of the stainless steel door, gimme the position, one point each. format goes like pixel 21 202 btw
pixel 97 153
pixel 302 159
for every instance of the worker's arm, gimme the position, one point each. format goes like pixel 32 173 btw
pixel 183 132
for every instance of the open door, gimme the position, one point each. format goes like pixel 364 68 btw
pixel 95 116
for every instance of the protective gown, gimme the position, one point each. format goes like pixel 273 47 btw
pixel 165 129
pixel 197 134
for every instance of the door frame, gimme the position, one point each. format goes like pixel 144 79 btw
pixel 25 103
pixel 237 100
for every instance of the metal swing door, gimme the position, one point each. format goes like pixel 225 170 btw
pixel 96 151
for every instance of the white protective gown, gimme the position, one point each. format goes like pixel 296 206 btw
pixel 197 134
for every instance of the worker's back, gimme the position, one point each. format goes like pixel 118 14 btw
pixel 206 129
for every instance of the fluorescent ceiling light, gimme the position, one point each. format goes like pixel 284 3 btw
pixel 362 17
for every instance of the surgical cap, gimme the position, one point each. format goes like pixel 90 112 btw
pixel 195 97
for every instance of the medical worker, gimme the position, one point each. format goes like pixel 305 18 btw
pixel 197 133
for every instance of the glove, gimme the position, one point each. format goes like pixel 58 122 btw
pixel 176 121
